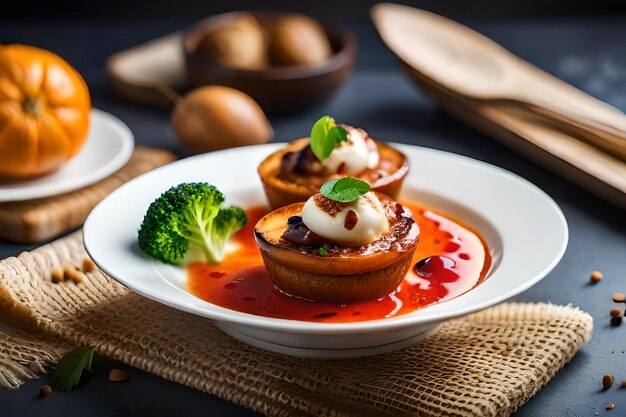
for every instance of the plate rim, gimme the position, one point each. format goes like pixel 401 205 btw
pixel 305 327
pixel 128 143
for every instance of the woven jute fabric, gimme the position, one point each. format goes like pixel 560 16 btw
pixel 485 364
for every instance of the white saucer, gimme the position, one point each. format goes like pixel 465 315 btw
pixel 107 148
pixel 524 229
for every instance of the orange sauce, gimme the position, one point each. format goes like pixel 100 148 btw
pixel 450 260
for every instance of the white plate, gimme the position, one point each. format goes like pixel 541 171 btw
pixel 107 148
pixel 524 228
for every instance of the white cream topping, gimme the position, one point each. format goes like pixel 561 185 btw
pixel 371 221
pixel 355 154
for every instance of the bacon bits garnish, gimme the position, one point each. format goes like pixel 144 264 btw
pixel 352 218
pixel 331 207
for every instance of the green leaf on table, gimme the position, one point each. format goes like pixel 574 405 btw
pixel 70 368
pixel 344 190
pixel 326 136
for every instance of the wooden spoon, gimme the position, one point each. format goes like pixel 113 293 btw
pixel 469 64
pixel 579 162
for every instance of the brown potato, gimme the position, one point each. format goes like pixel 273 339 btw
pixel 298 40
pixel 241 44
pixel 214 117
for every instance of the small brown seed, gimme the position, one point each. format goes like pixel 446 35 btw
pixel 616 312
pixel 619 297
pixel 88 265
pixel 623 385
pixel 77 277
pixel 57 275
pixel 610 406
pixel 45 391
pixel 596 276
pixel 68 270
pixel 117 375
pixel 607 381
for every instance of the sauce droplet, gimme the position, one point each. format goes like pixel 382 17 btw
pixel 451 247
pixel 436 269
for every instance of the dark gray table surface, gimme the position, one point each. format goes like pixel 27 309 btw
pixel 589 53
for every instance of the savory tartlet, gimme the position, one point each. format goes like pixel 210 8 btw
pixel 297 171
pixel 338 251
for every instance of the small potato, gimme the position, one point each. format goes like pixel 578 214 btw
pixel 240 44
pixel 298 40
pixel 214 117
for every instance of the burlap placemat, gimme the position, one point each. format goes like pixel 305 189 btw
pixel 486 364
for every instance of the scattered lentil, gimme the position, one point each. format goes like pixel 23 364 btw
pixel 117 375
pixel 88 265
pixel 619 297
pixel 73 274
pixel 616 312
pixel 45 391
pixel 596 276
pixel 607 381
pixel 78 277
pixel 57 275
pixel 610 406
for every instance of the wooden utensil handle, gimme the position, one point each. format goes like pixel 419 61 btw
pixel 605 137
pixel 606 133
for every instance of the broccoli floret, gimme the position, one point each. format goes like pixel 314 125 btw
pixel 186 223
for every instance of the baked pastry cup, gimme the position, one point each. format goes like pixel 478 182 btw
pixel 283 189
pixel 341 274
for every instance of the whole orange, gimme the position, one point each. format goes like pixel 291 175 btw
pixel 44 111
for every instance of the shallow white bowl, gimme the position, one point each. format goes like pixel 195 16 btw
pixel 107 148
pixel 525 230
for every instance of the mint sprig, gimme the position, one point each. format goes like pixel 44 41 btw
pixel 326 136
pixel 344 190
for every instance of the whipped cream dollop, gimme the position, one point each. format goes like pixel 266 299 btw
pixel 353 156
pixel 352 224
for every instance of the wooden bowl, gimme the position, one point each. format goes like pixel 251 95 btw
pixel 276 89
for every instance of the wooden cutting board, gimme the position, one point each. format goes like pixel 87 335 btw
pixel 138 74
pixel 37 220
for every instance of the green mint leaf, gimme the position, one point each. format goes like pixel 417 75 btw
pixel 344 190
pixel 323 250
pixel 326 136
pixel 70 368
pixel 337 135
pixel 321 144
